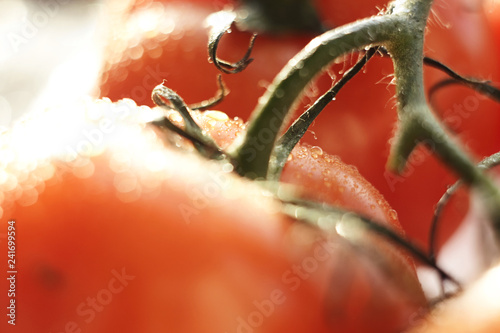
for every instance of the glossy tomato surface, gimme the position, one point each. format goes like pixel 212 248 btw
pixel 360 123
pixel 492 10
pixel 121 227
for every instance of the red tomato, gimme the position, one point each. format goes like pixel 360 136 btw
pixel 337 13
pixel 492 10
pixel 116 230
pixel 359 124
pixel 173 46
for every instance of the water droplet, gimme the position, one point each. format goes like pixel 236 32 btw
pixel 216 115
pixel 175 117
pixel 279 93
pixel 393 214
pixel 293 62
pixel 304 72
pixel 316 152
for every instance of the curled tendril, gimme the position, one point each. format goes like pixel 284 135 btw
pixel 483 87
pixel 221 24
pixel 219 97
pixel 204 105
pixel 169 99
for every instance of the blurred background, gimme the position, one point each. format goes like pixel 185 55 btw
pixel 50 51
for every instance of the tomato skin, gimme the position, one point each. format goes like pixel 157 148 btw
pixel 132 236
pixel 492 12
pixel 181 55
pixel 337 13
pixel 360 123
pixel 328 179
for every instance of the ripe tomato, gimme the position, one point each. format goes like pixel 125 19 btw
pixel 116 229
pixel 359 124
pixel 492 10
pixel 337 13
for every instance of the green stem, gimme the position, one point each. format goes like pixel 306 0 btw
pixel 330 218
pixel 296 131
pixel 401 32
pixel 253 150
pixel 417 124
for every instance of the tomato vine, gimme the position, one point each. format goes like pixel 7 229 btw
pixel 400 30
pixel 262 151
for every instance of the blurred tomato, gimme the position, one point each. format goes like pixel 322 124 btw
pixel 492 10
pixel 167 40
pixel 115 229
